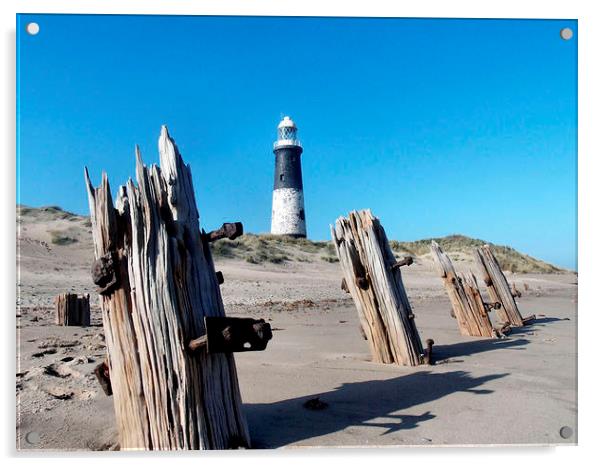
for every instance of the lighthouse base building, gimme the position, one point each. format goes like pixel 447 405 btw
pixel 288 209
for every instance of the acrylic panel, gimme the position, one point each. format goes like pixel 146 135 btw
pixel 266 232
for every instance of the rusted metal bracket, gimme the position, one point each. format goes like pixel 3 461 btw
pixel 227 230
pixel 105 273
pixel 102 374
pixel 408 260
pixel 490 306
pixel 529 319
pixel 233 335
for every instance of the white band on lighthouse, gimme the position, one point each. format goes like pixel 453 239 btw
pixel 288 212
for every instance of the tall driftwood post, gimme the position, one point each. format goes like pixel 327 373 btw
pixel 157 283
pixel 375 284
pixel 468 308
pixel 497 286
pixel 71 309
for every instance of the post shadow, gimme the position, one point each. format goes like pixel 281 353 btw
pixel 547 320
pixel 536 325
pixel 466 348
pixel 283 422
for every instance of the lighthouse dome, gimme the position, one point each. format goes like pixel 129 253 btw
pixel 287 122
pixel 287 133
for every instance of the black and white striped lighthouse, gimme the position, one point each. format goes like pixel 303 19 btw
pixel 288 210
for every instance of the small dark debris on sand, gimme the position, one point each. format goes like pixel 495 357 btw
pixel 315 404
pixel 51 370
pixel 41 354
pixel 59 393
pixel 107 445
pixel 448 361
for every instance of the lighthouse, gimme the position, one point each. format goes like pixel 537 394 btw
pixel 288 210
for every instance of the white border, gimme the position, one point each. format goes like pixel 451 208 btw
pixel 590 196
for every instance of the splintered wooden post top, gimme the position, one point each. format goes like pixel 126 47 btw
pixel 497 286
pixel 157 283
pixel 468 307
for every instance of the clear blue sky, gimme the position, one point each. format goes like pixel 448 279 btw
pixel 438 126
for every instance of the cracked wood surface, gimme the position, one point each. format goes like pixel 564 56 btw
pixel 377 289
pixel 467 303
pixel 164 396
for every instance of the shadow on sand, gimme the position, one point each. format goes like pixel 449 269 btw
pixel 357 404
pixel 442 352
pixel 547 320
pixel 536 325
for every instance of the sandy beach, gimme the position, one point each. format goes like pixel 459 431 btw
pixel 518 390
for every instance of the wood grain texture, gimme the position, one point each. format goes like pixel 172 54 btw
pixel 165 396
pixel 377 289
pixel 467 303
pixel 497 286
pixel 72 310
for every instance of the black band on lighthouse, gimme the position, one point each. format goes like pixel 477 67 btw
pixel 287 173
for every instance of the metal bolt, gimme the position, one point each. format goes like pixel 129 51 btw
pixel 566 432
pixel 566 33
pixel 32 28
pixel 33 438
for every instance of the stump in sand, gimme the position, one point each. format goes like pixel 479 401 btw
pixel 497 287
pixel 157 283
pixel 71 309
pixel 469 309
pixel 373 279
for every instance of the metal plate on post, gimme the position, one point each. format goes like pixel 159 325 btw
pixel 227 230
pixel 233 335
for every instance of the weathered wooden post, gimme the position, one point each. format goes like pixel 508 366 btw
pixel 497 287
pixel 157 284
pixel 71 309
pixel 468 308
pixel 374 281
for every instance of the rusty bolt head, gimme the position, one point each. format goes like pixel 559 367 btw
pixel 362 283
pixel 263 330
